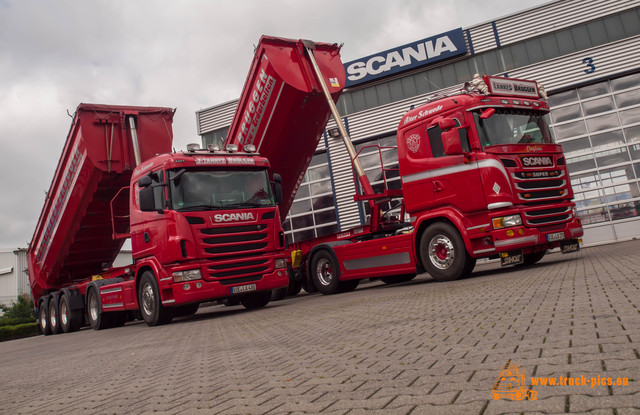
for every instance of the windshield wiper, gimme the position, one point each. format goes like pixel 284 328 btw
pixel 199 208
pixel 245 204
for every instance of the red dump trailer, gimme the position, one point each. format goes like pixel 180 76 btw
pixel 73 237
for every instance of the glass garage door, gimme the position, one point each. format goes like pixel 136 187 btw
pixel 598 127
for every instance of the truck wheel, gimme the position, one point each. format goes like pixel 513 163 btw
pixel 256 300
pixel 325 273
pixel 532 258
pixel 294 288
pixel 153 312
pixel 469 265
pixel 54 321
pixel 397 279
pixel 97 319
pixel 442 252
pixel 43 317
pixel 70 320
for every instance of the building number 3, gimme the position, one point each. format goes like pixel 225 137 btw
pixel 591 68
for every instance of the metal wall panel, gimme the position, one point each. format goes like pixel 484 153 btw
pixel 215 118
pixel 482 38
pixel 569 70
pixel 556 16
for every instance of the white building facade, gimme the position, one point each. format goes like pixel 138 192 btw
pixel 585 54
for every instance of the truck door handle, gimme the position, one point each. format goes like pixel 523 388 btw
pixel 437 186
pixel 146 237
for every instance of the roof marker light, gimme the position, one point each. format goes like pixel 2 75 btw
pixel 213 147
pixel 249 148
pixel 231 148
pixel 193 147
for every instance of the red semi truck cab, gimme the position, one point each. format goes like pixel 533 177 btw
pixel 206 224
pixel 486 163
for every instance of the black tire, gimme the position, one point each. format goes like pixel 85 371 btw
pixel 150 303
pixel 397 279
pixel 186 310
pixel 54 320
pixel 348 286
pixel 279 293
pixel 97 319
pixel 442 252
pixel 256 300
pixel 533 257
pixel 294 288
pixel 469 265
pixel 43 317
pixel 70 320
pixel 325 273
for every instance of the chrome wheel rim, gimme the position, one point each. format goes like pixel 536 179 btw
pixel 324 271
pixel 43 318
pixel 52 315
pixel 441 252
pixel 64 318
pixel 148 299
pixel 93 308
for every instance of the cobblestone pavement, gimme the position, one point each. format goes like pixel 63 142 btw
pixel 421 347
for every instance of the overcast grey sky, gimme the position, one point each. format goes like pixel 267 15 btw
pixel 185 54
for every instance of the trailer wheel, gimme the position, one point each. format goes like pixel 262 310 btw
pixel 397 279
pixel 442 252
pixel 43 317
pixel 325 273
pixel 256 300
pixel 54 321
pixel 151 308
pixel 70 320
pixel 97 319
pixel 532 258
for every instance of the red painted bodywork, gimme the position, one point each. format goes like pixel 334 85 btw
pixel 467 190
pixel 73 237
pixel 282 110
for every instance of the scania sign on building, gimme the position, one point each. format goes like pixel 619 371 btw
pixel 402 58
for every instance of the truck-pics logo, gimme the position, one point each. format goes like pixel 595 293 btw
pixel 537 161
pixel 511 384
pixel 233 217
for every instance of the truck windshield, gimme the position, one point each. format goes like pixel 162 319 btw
pixel 206 189
pixel 513 127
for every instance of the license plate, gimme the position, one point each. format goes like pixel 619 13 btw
pixel 570 246
pixel 243 288
pixel 511 258
pixel 556 236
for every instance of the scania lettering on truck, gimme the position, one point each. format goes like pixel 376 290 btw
pixel 204 225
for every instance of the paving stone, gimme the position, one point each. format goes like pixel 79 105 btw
pixel 413 348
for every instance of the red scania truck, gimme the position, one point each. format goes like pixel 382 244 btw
pixel 117 179
pixel 204 224
pixel 481 177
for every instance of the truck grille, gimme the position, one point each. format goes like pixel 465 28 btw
pixel 537 189
pixel 234 253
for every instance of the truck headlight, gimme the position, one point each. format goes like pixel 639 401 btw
pixel 281 263
pixel 506 221
pixel 188 275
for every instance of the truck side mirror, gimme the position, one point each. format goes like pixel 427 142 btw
pixel 144 181
pixel 451 143
pixel 277 187
pixel 147 199
pixel 446 123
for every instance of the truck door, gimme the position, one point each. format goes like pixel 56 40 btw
pixel 455 179
pixel 151 231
